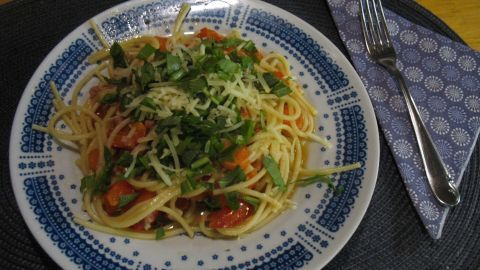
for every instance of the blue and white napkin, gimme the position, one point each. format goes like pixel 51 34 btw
pixel 444 78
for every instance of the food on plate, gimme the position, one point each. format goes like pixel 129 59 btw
pixel 189 133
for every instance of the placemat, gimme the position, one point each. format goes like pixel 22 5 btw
pixel 390 236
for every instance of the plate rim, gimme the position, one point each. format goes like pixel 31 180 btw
pixel 374 143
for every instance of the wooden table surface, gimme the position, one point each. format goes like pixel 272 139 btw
pixel 463 16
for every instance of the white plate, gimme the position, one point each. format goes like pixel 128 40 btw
pixel 46 181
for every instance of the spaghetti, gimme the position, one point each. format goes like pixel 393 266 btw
pixel 185 134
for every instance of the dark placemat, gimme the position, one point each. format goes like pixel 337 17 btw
pixel 390 236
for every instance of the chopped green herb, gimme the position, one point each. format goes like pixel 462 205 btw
pixel 149 103
pixel 247 62
pixel 120 82
pixel 125 159
pixel 233 177
pixel 250 46
pixel 177 75
pixel 87 183
pixel 274 172
pixel 232 200
pixel 187 186
pixel 281 89
pixel 226 68
pixel 159 233
pixel 109 98
pixel 173 63
pixel 200 163
pixel 252 201
pixel 146 51
pixel 270 79
pixel 212 203
pixel 196 85
pixel 146 75
pixel 126 199
pixel 231 42
pixel 118 56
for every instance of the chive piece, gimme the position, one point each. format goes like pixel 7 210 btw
pixel 187 186
pixel 212 203
pixel 250 46
pixel 125 159
pixel 109 98
pixel 232 200
pixel 195 86
pixel 274 172
pixel 314 179
pixel 281 89
pixel 116 51
pixel 149 103
pixel 144 161
pixel 262 119
pixel 88 182
pixel 104 177
pixel 173 63
pixel 231 42
pixel 146 75
pixel 247 62
pixel 270 79
pixel 177 75
pixel 200 163
pixel 159 233
pixel 146 51
pixel 126 199
pixel 233 177
pixel 252 201
pixel 226 68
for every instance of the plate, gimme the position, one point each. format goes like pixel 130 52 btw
pixel 46 181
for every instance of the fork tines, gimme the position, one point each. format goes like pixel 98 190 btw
pixel 374 26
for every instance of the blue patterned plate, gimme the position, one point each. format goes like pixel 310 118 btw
pixel 46 181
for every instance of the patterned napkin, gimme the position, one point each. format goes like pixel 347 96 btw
pixel 444 78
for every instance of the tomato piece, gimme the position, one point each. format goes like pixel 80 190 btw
pixel 257 166
pixel 122 140
pixel 162 43
pixel 299 122
pixel 227 218
pixel 240 158
pixel 146 223
pixel 259 55
pixel 209 34
pixel 279 74
pixel 111 198
pixel 182 204
pixel 244 112
pixel 93 159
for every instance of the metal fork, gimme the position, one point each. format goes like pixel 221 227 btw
pixel 380 48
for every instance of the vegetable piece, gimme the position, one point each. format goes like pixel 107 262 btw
pixel 188 186
pixel 122 140
pixel 126 199
pixel 255 202
pixel 145 52
pixel 299 121
pixel 109 98
pixel 200 162
pixel 228 218
pixel 240 159
pixel 118 56
pixel 111 199
pixel 196 85
pixel 281 89
pixel 88 183
pixel 104 177
pixel 226 69
pixel 212 203
pixel 206 33
pixel 125 159
pixel 173 63
pixel 233 177
pixel 232 200
pixel 93 159
pixel 146 75
pixel 159 233
pixel 250 46
pixel 149 103
pixel 274 172
pixel 162 43
pixel 182 204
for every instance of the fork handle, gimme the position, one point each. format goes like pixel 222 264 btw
pixel 438 177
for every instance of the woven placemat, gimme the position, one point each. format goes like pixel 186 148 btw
pixel 390 236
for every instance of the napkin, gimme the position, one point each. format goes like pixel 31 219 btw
pixel 444 79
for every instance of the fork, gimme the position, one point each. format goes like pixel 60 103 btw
pixel 380 48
